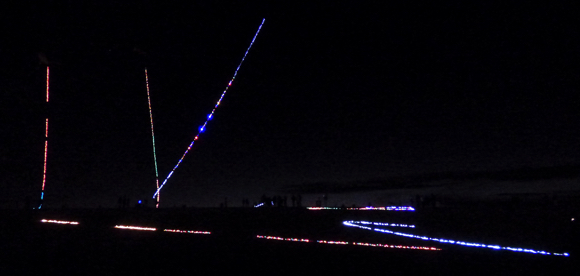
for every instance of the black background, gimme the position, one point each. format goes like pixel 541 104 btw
pixel 332 91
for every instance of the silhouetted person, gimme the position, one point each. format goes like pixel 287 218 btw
pixel 263 199
pixel 293 200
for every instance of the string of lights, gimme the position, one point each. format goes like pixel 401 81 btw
pixel 45 140
pixel 128 227
pixel 187 231
pixel 360 225
pixel 369 208
pixel 282 239
pixel 397 246
pixel 332 242
pixel 152 136
pixel 131 227
pixel 47 81
pixel 347 243
pixel 59 221
pixel 387 224
pixel 210 116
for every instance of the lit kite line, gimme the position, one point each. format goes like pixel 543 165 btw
pixel 209 117
pixel 362 225
pixel 45 142
pixel 152 136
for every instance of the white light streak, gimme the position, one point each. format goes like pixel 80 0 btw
pixel 128 227
pixel 59 221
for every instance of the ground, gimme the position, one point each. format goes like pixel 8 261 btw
pixel 94 246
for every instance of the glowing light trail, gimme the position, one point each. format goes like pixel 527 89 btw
pixel 187 231
pixel 45 141
pixel 47 78
pixel 332 242
pixel 135 228
pixel 386 208
pixel 209 117
pixel 347 243
pixel 45 155
pixel 152 136
pixel 397 246
pixel 360 224
pixel 387 224
pixel 281 239
pixel 59 221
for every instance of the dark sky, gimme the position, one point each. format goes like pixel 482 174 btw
pixel 330 92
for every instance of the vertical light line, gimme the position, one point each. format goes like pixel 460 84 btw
pixel 152 136
pixel 44 171
pixel 209 117
pixel 47 78
pixel 45 141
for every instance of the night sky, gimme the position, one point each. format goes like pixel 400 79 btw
pixel 332 93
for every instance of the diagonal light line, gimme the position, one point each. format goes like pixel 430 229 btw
pixel 209 117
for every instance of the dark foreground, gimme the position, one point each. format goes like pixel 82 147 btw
pixel 95 247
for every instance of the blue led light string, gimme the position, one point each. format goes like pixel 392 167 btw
pixel 209 117
pixel 361 225
pixel 152 136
